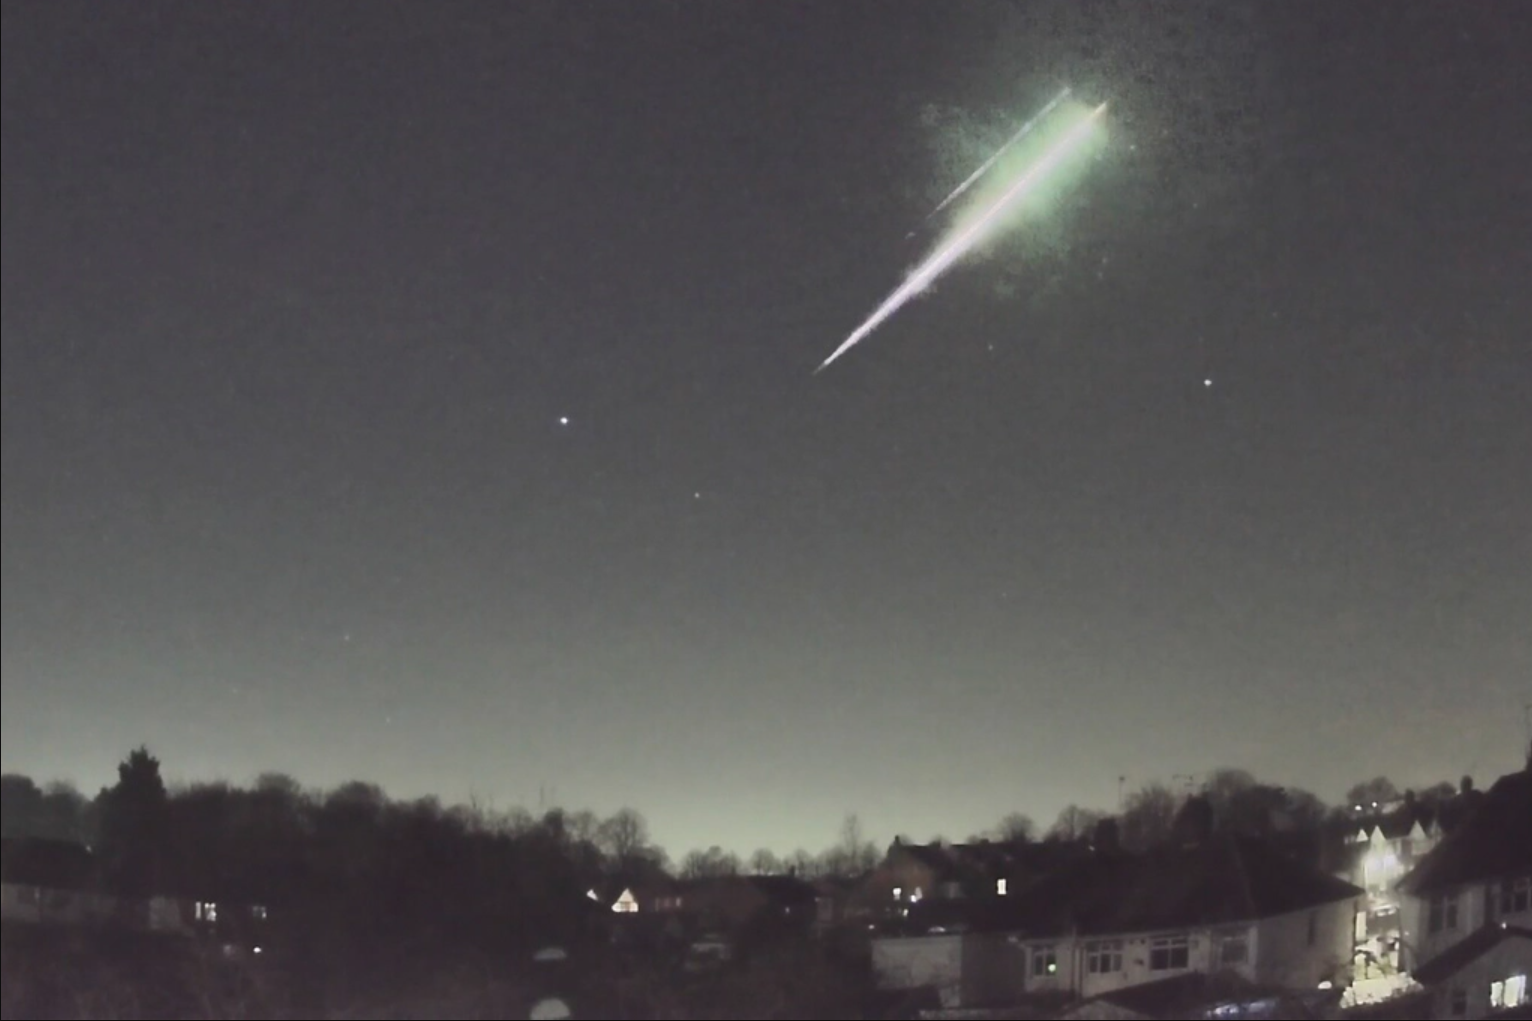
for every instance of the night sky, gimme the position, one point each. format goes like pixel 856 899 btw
pixel 421 393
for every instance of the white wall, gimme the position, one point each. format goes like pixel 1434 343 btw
pixel 1511 957
pixel 910 962
pixel 966 969
pixel 1420 944
pixel 1284 957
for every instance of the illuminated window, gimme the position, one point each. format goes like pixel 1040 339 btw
pixel 1045 962
pixel 258 912
pixel 916 895
pixel 1000 887
pixel 1510 993
pixel 898 892
pixel 206 911
pixel 627 904
pixel 1168 953
pixel 1103 957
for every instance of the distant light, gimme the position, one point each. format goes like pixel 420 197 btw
pixel 563 420
pixel 256 950
pixel 1327 984
pixel 1207 382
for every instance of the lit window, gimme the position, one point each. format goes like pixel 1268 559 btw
pixel 206 911
pixel 258 912
pixel 1103 957
pixel 627 904
pixel 1168 953
pixel 898 892
pixel 916 895
pixel 1000 887
pixel 1510 993
pixel 1045 962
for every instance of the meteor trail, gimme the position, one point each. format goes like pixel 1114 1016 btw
pixel 960 245
pixel 984 167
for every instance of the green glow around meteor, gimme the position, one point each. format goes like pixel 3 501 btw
pixel 989 215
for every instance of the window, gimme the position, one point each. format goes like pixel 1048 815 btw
pixel 627 904
pixel 1442 916
pixel 898 892
pixel 1516 896
pixel 206 911
pixel 258 912
pixel 1167 953
pixel 1000 885
pixel 1510 993
pixel 1313 934
pixel 1233 947
pixel 1103 957
pixel 1045 962
pixel 1457 1002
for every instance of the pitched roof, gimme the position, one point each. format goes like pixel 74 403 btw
pixel 55 864
pixel 1222 881
pixel 1465 951
pixel 785 891
pixel 1494 842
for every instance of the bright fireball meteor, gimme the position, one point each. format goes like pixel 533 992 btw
pixel 969 236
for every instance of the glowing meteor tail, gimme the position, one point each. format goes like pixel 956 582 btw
pixel 927 272
pixel 984 168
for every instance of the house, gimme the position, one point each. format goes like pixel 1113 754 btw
pixel 914 873
pixel 51 882
pixel 1220 904
pixel 733 903
pixel 1467 906
pixel 653 894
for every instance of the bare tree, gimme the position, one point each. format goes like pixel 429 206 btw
pixel 1374 793
pixel 1074 823
pixel 1148 817
pixel 713 863
pixel 1016 828
pixel 765 863
pixel 854 854
pixel 625 836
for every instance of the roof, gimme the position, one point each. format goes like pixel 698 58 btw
pixel 785 891
pixel 55 864
pixel 1223 881
pixel 1494 842
pixel 989 859
pixel 1193 994
pixel 1465 951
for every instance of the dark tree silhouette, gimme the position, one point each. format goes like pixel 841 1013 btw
pixel 1148 817
pixel 1378 791
pixel 1016 828
pixel 134 827
pixel 1074 823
